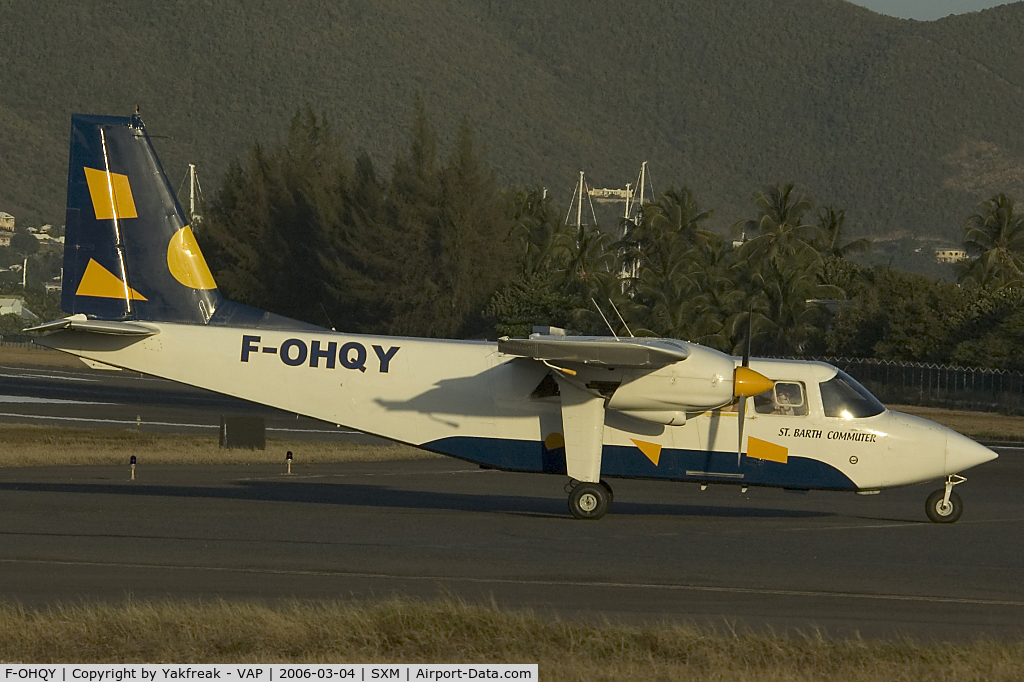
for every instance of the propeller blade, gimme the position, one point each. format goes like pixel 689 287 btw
pixel 739 441
pixel 746 382
pixel 750 335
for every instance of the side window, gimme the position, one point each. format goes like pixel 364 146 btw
pixel 787 397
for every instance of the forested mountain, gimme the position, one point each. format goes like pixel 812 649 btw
pixel 905 124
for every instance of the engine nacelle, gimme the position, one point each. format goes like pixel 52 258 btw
pixel 702 381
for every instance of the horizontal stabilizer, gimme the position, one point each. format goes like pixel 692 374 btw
pixel 82 324
pixel 630 353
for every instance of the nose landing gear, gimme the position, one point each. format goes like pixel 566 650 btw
pixel 945 506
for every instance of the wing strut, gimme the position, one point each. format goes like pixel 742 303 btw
pixel 583 430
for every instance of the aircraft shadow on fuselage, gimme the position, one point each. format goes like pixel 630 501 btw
pixel 472 396
pixel 346 494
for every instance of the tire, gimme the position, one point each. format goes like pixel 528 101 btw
pixel 936 513
pixel 611 493
pixel 589 501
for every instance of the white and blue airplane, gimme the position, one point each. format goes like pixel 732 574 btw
pixel 140 296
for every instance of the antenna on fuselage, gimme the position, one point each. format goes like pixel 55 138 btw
pixel 329 320
pixel 623 321
pixel 607 323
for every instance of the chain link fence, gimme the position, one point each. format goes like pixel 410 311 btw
pixel 919 383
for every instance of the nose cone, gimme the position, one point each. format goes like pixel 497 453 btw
pixel 962 453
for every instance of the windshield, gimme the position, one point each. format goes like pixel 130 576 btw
pixel 842 396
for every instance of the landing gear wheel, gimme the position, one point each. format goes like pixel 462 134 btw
pixel 589 501
pixel 944 512
pixel 611 493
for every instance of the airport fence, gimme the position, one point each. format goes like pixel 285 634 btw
pixel 17 341
pixel 934 385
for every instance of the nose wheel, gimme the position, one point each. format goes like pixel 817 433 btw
pixel 590 500
pixel 945 506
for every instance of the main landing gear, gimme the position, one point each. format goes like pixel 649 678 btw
pixel 945 506
pixel 589 500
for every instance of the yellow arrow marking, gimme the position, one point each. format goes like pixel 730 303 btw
pixel 102 283
pixel 762 449
pixel 651 450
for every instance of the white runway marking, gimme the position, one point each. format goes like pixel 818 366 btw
pixel 24 375
pixel 131 422
pixel 26 399
pixel 300 477
pixel 894 524
pixel 119 422
pixel 670 587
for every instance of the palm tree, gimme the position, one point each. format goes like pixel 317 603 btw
pixel 786 320
pixel 829 239
pixel 544 240
pixel 671 224
pixel 994 238
pixel 779 232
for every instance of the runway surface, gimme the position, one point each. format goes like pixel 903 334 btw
pixel 667 551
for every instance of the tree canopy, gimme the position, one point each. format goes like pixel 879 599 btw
pixel 437 245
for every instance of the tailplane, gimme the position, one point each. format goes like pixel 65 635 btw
pixel 129 252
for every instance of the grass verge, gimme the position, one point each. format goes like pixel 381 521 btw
pixel 37 356
pixel 452 631
pixel 31 445
pixel 976 425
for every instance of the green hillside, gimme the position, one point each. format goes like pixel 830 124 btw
pixel 906 124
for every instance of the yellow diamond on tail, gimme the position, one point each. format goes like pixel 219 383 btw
pixel 651 450
pixel 762 449
pixel 102 283
pixel 111 194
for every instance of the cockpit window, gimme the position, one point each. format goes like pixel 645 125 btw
pixel 787 397
pixel 842 396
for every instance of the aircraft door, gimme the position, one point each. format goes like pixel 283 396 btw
pixel 778 417
pixel 718 431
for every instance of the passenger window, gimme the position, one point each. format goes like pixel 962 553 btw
pixel 787 397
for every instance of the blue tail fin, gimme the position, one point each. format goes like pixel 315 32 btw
pixel 129 252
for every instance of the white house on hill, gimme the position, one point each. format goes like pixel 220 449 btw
pixel 16 306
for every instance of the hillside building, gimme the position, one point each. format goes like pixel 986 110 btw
pixel 14 305
pixel 6 228
pixel 949 255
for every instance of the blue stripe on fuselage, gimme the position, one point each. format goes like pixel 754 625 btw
pixel 619 461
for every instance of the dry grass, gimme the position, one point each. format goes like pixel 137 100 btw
pixel 30 445
pixel 977 425
pixel 37 356
pixel 452 631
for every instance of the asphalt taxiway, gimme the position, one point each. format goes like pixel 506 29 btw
pixel 666 552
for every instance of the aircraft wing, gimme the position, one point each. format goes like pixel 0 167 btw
pixel 602 351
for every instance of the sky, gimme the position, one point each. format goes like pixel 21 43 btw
pixel 926 10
